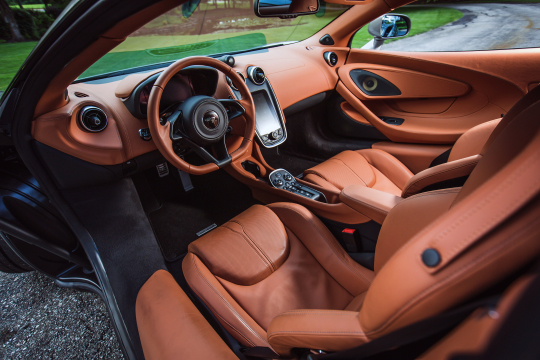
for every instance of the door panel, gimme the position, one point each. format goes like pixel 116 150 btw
pixel 412 84
pixel 439 101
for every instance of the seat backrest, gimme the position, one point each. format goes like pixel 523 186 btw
pixel 473 237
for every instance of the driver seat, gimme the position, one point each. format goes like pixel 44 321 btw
pixel 275 277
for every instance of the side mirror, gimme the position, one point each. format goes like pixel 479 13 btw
pixel 389 26
pixel 285 8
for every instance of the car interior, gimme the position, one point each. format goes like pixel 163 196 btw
pixel 303 201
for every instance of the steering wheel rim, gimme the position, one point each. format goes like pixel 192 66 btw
pixel 163 135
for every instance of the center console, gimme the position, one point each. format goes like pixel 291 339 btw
pixel 282 179
pixel 270 126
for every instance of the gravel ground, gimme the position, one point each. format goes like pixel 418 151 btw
pixel 39 320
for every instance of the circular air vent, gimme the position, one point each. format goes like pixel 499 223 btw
pixel 92 119
pixel 256 74
pixel 229 81
pixel 331 58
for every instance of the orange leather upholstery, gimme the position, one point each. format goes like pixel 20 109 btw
pixel 373 203
pixel 319 298
pixel 370 167
pixel 314 273
pixel 379 170
pixel 171 327
pixel 447 171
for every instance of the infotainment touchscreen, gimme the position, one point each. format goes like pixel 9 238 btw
pixel 267 118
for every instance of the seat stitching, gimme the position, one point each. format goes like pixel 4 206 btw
pixel 250 243
pixel 222 318
pixel 502 246
pixel 332 247
pixel 365 203
pixel 347 166
pixel 226 302
pixel 256 245
pixel 314 172
pixel 330 312
pixel 474 162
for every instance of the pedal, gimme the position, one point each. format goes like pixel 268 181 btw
pixel 162 169
pixel 185 179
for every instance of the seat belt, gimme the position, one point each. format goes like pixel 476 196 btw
pixel 411 334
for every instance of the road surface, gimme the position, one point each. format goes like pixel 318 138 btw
pixel 482 27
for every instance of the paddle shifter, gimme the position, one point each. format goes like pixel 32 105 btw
pixel 282 179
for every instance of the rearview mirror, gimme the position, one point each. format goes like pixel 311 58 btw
pixel 285 8
pixel 389 26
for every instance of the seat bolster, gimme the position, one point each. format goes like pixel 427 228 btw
pixel 447 171
pixel 317 180
pixel 473 140
pixel 324 247
pixel 171 326
pixel 388 165
pixel 328 330
pixel 229 313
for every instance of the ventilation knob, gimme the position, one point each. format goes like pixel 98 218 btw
pixel 93 119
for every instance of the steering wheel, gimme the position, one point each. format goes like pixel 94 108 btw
pixel 200 121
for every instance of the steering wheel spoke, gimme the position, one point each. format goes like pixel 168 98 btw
pixel 219 148
pixel 234 108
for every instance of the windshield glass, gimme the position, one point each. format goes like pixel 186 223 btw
pixel 214 27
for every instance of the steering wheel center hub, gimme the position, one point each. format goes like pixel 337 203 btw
pixel 204 119
pixel 211 119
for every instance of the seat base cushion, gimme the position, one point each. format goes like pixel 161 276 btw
pixel 369 167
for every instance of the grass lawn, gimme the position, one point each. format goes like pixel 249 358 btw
pixel 136 50
pixel 11 58
pixel 423 19
pixel 30 6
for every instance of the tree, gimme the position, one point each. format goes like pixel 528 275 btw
pixel 9 18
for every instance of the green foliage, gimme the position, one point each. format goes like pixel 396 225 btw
pixel 42 22
pixel 26 24
pixel 32 24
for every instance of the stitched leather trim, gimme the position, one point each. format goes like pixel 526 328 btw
pixel 366 204
pixel 472 162
pixel 229 306
pixel 331 244
pixel 263 253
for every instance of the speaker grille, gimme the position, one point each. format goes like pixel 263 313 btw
pixel 93 119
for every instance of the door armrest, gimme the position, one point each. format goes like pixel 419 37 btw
pixel 372 203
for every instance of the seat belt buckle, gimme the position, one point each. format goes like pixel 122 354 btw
pixel 349 238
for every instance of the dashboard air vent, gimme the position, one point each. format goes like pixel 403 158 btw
pixel 229 81
pixel 331 58
pixel 256 75
pixel 93 119
pixel 80 94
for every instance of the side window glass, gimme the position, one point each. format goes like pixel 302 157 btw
pixel 462 26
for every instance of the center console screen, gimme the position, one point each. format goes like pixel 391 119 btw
pixel 265 112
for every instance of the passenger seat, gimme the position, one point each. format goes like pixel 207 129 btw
pixel 379 170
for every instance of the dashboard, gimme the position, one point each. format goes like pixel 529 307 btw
pixel 293 73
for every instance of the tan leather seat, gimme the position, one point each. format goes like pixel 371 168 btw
pixel 379 170
pixel 274 276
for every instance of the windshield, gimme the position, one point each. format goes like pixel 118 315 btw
pixel 214 27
